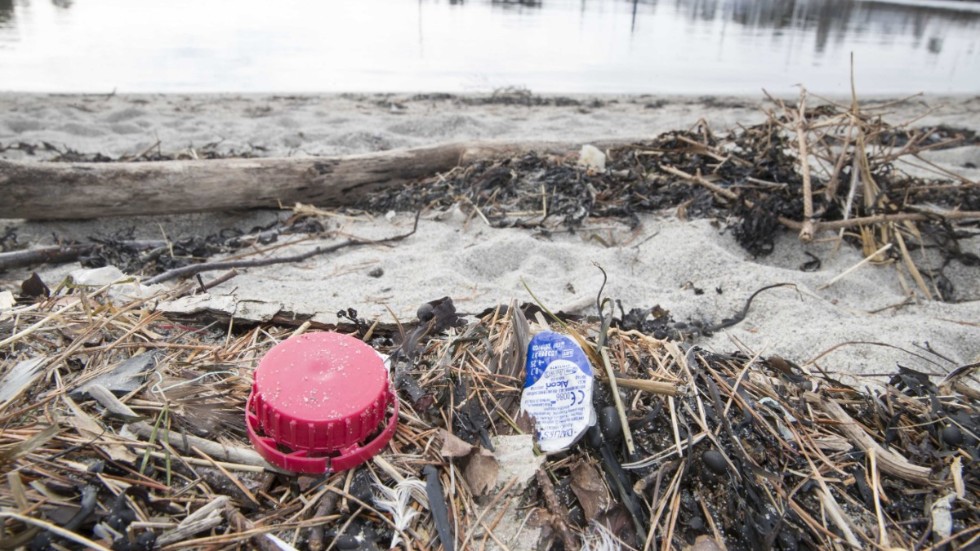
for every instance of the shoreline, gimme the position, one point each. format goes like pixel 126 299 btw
pixel 660 262
pixel 339 124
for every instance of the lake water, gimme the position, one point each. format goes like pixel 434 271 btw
pixel 560 46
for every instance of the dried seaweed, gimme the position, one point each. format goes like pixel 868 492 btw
pixel 739 451
pixel 807 168
pixel 791 172
pixel 746 451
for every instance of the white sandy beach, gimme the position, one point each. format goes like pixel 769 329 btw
pixel 456 254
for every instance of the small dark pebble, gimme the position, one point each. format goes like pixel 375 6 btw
pixel 714 461
pixel 696 524
pixel 612 428
pixel 344 541
pixel 952 435
pixel 424 312
pixel 377 272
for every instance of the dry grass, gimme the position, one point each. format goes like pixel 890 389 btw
pixel 748 451
pixel 802 459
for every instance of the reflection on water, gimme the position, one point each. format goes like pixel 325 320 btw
pixel 512 3
pixel 694 46
pixel 6 11
pixel 839 20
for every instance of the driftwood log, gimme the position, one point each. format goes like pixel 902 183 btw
pixel 90 190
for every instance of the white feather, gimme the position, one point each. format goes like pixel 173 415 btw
pixel 396 502
pixel 600 539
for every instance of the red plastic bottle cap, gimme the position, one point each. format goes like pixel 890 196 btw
pixel 318 404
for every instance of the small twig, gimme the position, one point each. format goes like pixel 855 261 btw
pixel 910 265
pixel 607 365
pixel 478 211
pixel 875 487
pixel 698 179
pixel 479 520
pixel 183 442
pixel 673 425
pixel 54 529
pixel 243 525
pixel 851 192
pixel 230 274
pixel 653 387
pixel 880 218
pixel 889 461
pixel 227 265
pixel 831 190
pixel 204 518
pixel 808 229
pixel 233 479
pixel 558 513
pixel 850 270
pixel 835 224
pixel 146 151
pixel 836 514
pixel 326 506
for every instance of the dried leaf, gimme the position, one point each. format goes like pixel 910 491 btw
pixel 88 427
pixel 525 422
pixel 125 377
pixel 454 446
pixel 82 332
pixel 33 287
pixel 481 472
pixel 19 378
pixel 589 488
pixel 9 453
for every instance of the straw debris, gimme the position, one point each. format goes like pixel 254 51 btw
pixel 813 167
pixel 122 427
pixel 739 451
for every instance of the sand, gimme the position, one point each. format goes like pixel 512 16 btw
pixel 861 327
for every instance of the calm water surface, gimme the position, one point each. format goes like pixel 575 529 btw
pixel 563 46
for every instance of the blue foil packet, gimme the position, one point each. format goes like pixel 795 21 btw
pixel 557 390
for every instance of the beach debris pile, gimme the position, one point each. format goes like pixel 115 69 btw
pixel 123 428
pixel 811 169
pixel 864 178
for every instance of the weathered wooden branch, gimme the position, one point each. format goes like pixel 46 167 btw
pixel 54 255
pixel 90 190
pixel 64 253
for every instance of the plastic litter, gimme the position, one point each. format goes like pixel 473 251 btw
pixel 557 390
pixel 321 402
pixel 591 157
